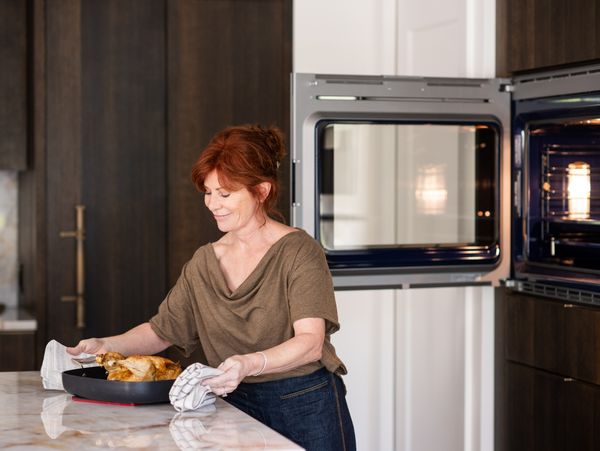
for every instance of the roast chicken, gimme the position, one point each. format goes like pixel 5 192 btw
pixel 138 368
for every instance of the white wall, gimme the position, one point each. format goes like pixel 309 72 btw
pixel 420 361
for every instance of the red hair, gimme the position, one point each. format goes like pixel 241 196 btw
pixel 244 156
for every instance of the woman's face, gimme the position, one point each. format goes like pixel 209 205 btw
pixel 233 210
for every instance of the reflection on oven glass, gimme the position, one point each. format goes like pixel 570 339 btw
pixel 431 192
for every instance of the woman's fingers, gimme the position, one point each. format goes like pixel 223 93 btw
pixel 89 346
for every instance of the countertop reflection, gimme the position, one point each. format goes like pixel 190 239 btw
pixel 34 418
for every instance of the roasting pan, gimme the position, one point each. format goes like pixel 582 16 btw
pixel 91 383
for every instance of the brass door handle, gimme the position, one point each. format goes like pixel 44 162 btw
pixel 79 235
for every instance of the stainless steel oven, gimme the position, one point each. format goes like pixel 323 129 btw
pixel 416 181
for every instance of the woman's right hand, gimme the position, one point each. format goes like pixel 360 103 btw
pixel 90 346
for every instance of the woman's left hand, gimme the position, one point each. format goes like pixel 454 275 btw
pixel 235 368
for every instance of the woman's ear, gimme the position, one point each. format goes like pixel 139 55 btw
pixel 264 189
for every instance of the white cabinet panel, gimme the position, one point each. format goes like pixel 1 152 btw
pixel 454 38
pixel 430 365
pixel 366 344
pixel 419 361
pixel 344 36
pixel 444 369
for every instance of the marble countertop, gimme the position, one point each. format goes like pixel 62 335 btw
pixel 33 418
pixel 16 319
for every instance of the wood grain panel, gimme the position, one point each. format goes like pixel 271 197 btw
pixel 548 377
pixel 63 144
pixel 32 188
pixel 229 63
pixel 535 34
pixel 582 343
pixel 554 336
pixel 546 412
pixel 17 351
pixel 13 84
pixel 123 150
pixel 518 328
pixel 106 144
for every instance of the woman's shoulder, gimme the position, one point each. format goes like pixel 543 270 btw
pixel 202 253
pixel 300 241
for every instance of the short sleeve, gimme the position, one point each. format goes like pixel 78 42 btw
pixel 175 321
pixel 310 288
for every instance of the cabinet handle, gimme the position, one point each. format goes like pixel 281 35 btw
pixel 568 305
pixel 79 235
pixel 568 379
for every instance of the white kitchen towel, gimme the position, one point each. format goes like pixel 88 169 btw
pixel 56 360
pixel 187 392
pixel 52 414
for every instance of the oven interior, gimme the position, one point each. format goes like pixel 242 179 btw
pixel 561 221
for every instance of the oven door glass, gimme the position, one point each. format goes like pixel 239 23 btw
pixel 407 193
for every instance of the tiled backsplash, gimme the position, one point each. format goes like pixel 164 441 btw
pixel 8 237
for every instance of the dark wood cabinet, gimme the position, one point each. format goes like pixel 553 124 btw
pixel 126 95
pixel 537 34
pixel 105 149
pixel 17 351
pixel 13 84
pixel 548 412
pixel 560 337
pixel 547 374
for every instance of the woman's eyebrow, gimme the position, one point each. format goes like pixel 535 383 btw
pixel 218 188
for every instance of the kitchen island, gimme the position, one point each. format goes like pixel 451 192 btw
pixel 34 418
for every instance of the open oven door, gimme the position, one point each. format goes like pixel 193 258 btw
pixel 404 180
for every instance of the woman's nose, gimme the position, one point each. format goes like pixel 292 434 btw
pixel 211 201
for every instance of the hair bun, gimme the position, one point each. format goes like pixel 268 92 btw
pixel 275 142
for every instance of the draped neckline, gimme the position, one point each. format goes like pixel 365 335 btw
pixel 248 283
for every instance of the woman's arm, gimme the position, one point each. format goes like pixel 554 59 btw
pixel 304 347
pixel 139 340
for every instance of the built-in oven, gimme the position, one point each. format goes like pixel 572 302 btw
pixel 416 181
pixel 556 183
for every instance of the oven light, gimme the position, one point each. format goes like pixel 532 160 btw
pixel 579 187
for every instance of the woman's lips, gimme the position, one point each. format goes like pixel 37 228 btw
pixel 220 217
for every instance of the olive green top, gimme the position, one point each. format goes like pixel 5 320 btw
pixel 291 282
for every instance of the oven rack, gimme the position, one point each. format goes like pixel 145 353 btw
pixel 562 217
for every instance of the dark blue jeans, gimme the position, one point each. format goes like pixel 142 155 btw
pixel 309 410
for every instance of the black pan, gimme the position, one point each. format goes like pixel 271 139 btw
pixel 91 383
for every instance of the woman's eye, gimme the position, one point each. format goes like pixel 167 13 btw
pixel 225 194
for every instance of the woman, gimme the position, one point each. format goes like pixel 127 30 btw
pixel 259 301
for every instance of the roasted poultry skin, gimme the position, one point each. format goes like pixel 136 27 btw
pixel 138 368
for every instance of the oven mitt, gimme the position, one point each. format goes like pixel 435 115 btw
pixel 56 360
pixel 187 393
